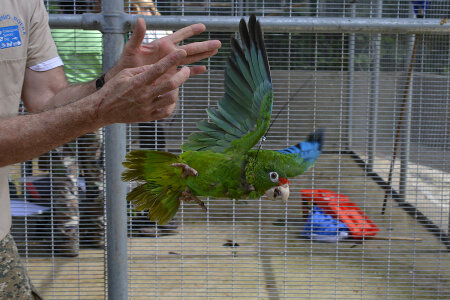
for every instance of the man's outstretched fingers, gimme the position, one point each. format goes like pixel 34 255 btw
pixel 186 32
pixel 173 83
pixel 163 106
pixel 195 58
pixel 138 35
pixel 201 47
pixel 156 70
pixel 165 103
pixel 195 70
pixel 137 70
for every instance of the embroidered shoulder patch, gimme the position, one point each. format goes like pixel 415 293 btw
pixel 10 37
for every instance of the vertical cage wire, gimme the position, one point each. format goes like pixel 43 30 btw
pixel 58 197
pixel 256 248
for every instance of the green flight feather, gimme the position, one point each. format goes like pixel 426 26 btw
pixel 161 191
pixel 243 114
pixel 211 129
pixel 240 61
pixel 220 121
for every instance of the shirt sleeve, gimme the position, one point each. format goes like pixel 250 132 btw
pixel 48 64
pixel 41 47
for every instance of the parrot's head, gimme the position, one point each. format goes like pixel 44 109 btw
pixel 266 173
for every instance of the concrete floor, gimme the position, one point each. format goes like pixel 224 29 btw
pixel 270 259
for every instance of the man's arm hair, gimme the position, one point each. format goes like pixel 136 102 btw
pixel 49 89
pixel 28 136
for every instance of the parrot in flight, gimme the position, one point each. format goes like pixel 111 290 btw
pixel 219 161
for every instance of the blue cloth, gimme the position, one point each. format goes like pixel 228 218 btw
pixel 322 224
pixel 420 7
pixel 20 208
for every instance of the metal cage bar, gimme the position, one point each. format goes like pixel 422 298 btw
pixel 268 24
pixel 115 150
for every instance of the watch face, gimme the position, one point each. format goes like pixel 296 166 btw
pixel 100 82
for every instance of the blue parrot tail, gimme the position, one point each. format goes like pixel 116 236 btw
pixel 309 149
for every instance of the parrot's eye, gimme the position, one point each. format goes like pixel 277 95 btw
pixel 273 176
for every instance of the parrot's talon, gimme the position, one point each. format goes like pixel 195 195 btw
pixel 187 196
pixel 202 205
pixel 187 170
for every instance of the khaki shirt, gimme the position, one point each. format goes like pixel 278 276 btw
pixel 25 41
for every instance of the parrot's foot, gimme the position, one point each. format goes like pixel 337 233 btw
pixel 187 170
pixel 187 196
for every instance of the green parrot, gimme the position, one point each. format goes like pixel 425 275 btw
pixel 219 161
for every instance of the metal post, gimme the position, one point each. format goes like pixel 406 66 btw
pixel 406 143
pixel 115 148
pixel 351 84
pixel 406 136
pixel 374 92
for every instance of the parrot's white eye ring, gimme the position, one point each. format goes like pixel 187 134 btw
pixel 273 176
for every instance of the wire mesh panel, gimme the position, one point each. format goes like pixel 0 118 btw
pixel 404 119
pixel 377 95
pixel 258 249
pixel 57 198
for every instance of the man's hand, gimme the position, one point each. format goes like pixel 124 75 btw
pixel 138 94
pixel 138 58
pixel 136 54
pixel 45 90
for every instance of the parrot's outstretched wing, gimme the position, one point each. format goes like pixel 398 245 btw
pixel 244 112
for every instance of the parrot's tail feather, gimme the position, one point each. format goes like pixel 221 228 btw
pixel 161 206
pixel 161 186
pixel 141 197
pixel 135 166
pixel 307 151
pixel 165 207
pixel 141 162
pixel 317 137
pixel 309 148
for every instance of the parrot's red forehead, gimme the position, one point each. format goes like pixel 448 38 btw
pixel 283 181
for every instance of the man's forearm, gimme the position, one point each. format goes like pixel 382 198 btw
pixel 70 94
pixel 28 136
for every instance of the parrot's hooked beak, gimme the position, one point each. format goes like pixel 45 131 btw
pixel 282 191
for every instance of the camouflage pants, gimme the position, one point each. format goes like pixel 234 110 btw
pixel 75 173
pixel 90 165
pixel 63 199
pixel 14 280
pixel 82 160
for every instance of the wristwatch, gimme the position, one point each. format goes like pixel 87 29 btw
pixel 99 82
